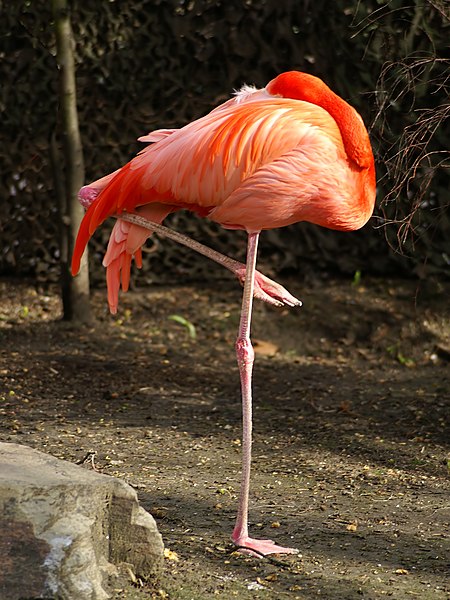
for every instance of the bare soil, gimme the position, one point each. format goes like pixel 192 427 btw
pixel 351 429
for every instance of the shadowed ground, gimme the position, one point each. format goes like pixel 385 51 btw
pixel 351 429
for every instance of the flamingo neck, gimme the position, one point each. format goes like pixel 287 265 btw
pixel 302 86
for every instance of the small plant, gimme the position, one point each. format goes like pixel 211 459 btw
pixel 356 278
pixel 189 326
pixel 395 352
pixel 24 312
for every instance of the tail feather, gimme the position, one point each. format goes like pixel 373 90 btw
pixel 125 271
pixel 113 285
pixel 138 258
pixel 125 243
pixel 107 202
pixel 103 198
pixel 80 243
pixel 90 197
pixel 115 193
pixel 117 241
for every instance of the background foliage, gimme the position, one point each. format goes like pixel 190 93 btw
pixel 145 64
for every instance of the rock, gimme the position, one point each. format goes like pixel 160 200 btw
pixel 65 531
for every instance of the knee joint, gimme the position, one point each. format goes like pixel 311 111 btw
pixel 244 352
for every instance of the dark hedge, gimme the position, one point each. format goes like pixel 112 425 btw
pixel 147 64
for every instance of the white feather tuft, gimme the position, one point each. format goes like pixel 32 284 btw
pixel 243 94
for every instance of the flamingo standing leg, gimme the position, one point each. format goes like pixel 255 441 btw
pixel 245 358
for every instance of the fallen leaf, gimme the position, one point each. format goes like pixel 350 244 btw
pixel 159 512
pixel 264 348
pixel 401 572
pixel 170 555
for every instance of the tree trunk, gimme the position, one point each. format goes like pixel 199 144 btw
pixel 75 291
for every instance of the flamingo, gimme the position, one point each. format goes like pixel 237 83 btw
pixel 292 151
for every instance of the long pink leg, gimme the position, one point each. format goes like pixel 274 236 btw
pixel 264 288
pixel 245 358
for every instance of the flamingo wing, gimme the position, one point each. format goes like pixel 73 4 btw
pixel 200 165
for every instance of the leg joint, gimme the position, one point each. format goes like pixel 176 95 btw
pixel 244 352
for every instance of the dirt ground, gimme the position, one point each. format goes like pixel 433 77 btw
pixel 352 395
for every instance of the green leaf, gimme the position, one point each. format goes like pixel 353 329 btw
pixel 356 278
pixel 189 326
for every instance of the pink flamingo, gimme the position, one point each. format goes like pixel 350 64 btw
pixel 292 151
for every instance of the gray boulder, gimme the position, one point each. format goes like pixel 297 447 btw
pixel 65 531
